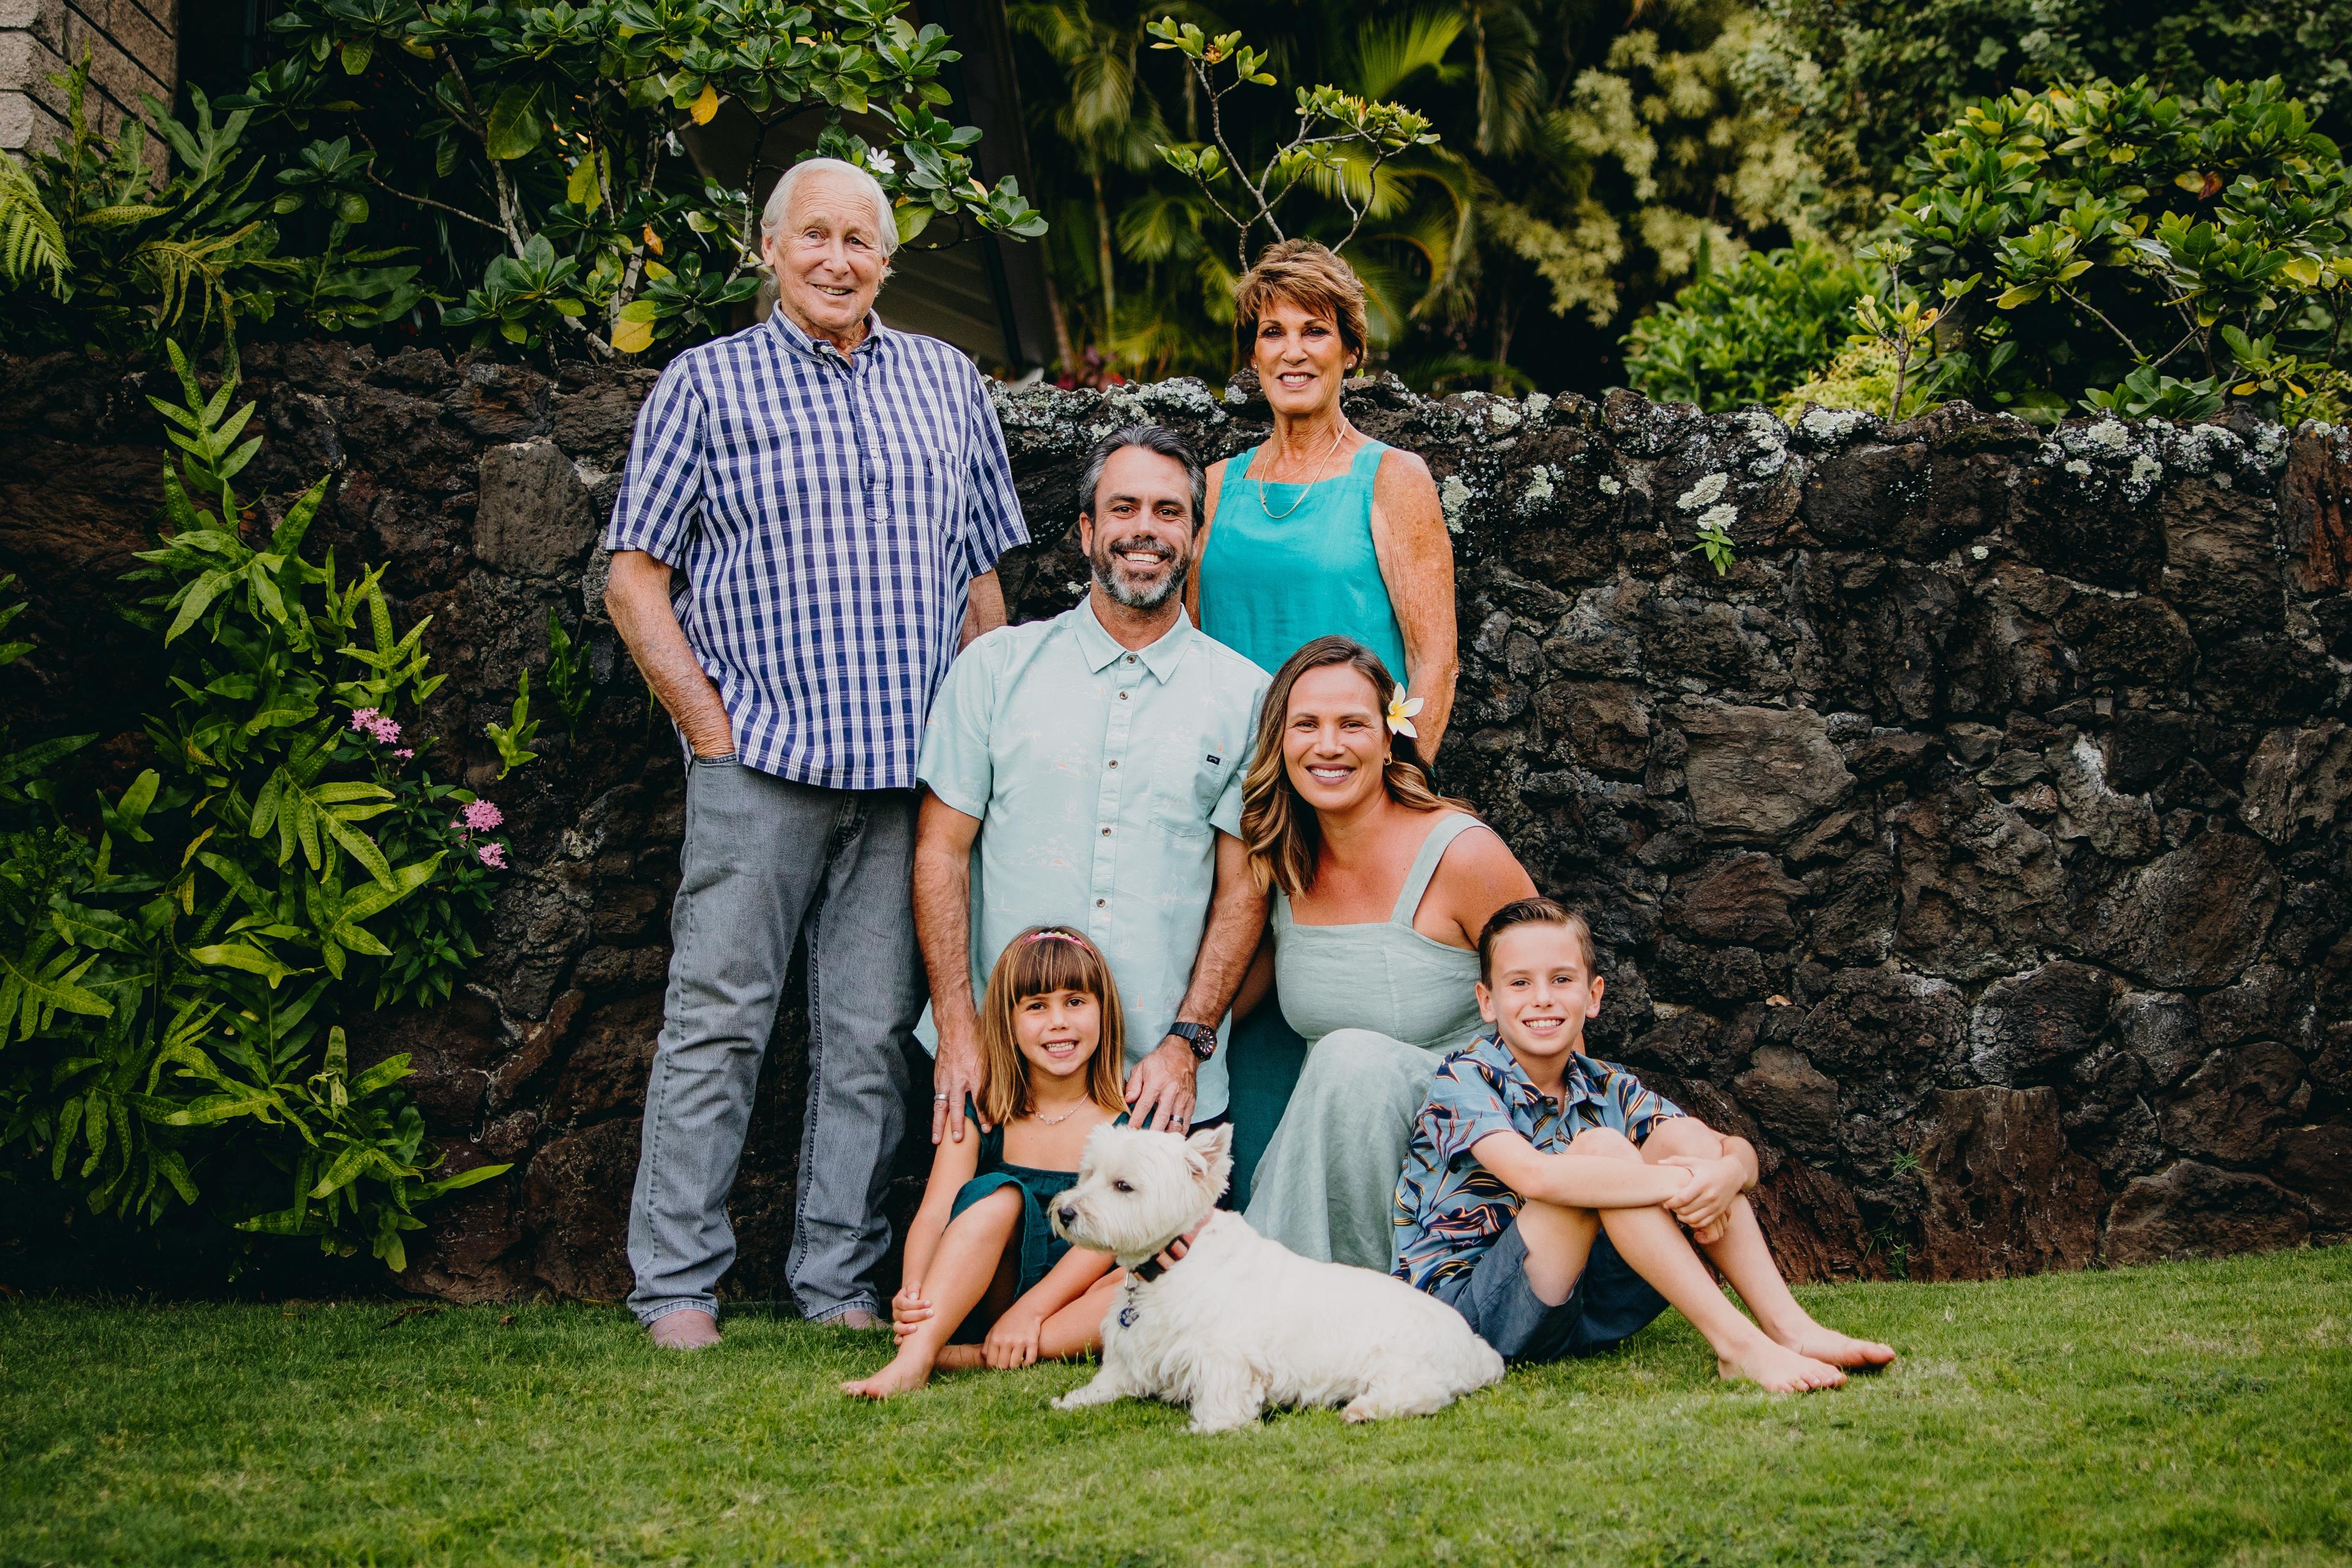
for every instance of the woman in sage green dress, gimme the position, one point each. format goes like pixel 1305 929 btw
pixel 1382 888
pixel 1320 530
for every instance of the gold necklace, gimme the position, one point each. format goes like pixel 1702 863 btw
pixel 1337 434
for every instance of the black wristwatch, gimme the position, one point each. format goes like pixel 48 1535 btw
pixel 1201 1038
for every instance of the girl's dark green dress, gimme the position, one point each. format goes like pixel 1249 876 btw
pixel 1039 1248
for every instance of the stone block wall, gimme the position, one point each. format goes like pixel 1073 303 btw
pixel 1976 845
pixel 133 46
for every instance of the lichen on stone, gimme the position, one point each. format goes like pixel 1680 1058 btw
pixel 1453 495
pixel 1607 484
pixel 1706 492
pixel 1539 487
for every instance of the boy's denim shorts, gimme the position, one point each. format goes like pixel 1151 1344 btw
pixel 1609 1303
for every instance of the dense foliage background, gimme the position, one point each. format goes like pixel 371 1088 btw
pixel 561 180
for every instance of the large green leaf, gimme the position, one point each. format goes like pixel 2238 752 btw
pixel 517 121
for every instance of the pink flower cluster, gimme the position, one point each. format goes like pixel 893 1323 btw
pixel 483 817
pixel 381 727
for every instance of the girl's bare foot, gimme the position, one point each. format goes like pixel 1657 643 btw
pixel 1778 1370
pixel 959 1357
pixel 1840 1350
pixel 903 1375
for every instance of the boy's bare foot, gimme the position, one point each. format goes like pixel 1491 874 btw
pixel 1840 1350
pixel 959 1358
pixel 1778 1370
pixel 901 1376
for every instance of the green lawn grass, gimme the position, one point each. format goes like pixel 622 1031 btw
pixel 2192 1414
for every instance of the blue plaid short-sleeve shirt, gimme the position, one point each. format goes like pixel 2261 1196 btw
pixel 829 516
pixel 1450 1208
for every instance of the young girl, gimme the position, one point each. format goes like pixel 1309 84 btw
pixel 979 1251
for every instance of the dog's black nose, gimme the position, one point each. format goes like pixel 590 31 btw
pixel 1069 1214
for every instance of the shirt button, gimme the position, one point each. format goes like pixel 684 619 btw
pixel 1114 761
pixel 1101 903
pixel 1106 833
pixel 1130 658
pixel 1122 696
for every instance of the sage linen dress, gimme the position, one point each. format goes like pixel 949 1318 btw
pixel 1285 564
pixel 1383 1006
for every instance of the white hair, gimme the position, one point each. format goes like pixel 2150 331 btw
pixel 771 217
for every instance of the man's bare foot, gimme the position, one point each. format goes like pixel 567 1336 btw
pixel 1778 1370
pixel 959 1358
pixel 1840 1350
pixel 684 1330
pixel 903 1375
pixel 855 1318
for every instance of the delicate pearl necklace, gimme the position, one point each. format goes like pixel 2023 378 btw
pixel 1043 1121
pixel 1337 436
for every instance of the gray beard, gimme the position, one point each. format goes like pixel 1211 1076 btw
pixel 1106 573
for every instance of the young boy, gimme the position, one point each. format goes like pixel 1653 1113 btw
pixel 1545 1194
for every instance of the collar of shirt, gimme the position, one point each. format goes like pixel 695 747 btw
pixel 1580 1085
pixel 794 341
pixel 1100 649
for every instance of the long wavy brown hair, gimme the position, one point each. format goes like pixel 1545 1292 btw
pixel 1039 962
pixel 1280 828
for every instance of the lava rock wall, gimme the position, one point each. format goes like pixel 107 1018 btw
pixel 1975 844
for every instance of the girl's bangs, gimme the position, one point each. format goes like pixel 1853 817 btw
pixel 1043 964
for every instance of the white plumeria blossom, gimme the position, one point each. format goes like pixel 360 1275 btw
pixel 1706 492
pixel 880 162
pixel 1402 710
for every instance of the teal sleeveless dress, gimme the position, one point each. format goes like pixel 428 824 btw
pixel 1286 565
pixel 1040 1247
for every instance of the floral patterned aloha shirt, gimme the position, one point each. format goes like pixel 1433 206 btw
pixel 1450 1208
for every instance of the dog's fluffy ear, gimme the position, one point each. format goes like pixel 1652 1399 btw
pixel 1209 1156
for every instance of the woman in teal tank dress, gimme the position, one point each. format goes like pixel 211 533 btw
pixel 1319 531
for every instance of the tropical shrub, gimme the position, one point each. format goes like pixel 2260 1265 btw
pixel 548 178
pixel 2084 244
pixel 175 974
pixel 1875 77
pixel 2099 248
pixel 564 151
pixel 95 247
pixel 1747 333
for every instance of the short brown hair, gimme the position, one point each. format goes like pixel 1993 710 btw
pixel 1045 959
pixel 1279 829
pixel 1536 911
pixel 1311 278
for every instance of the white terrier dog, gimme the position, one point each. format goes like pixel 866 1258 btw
pixel 1240 1322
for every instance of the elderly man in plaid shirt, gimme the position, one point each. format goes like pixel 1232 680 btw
pixel 836 496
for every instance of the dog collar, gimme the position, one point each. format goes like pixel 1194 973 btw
pixel 1152 1269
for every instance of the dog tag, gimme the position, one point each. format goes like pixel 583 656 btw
pixel 1127 1316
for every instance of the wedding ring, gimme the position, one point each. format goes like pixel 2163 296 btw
pixel 939 1097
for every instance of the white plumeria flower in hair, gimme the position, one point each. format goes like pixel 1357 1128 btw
pixel 1401 711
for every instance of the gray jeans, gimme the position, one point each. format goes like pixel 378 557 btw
pixel 766 862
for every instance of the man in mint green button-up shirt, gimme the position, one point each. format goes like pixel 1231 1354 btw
pixel 1094 761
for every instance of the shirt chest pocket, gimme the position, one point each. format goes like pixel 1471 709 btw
pixel 1188 786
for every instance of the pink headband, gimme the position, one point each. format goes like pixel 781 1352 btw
pixel 1052 936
